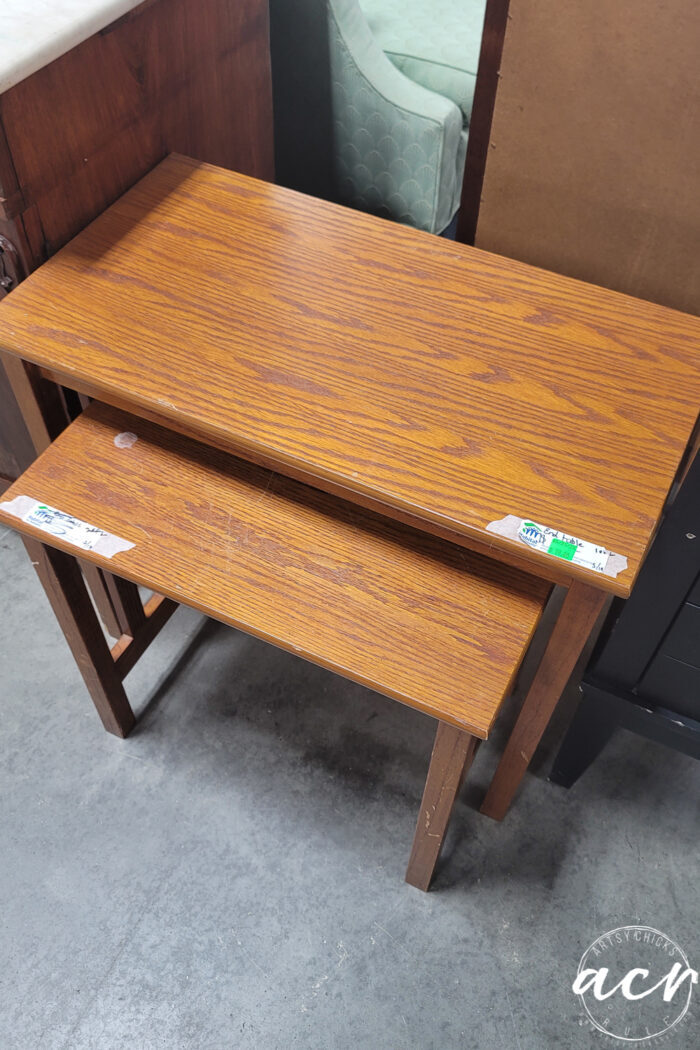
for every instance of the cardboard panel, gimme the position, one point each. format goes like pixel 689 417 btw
pixel 594 160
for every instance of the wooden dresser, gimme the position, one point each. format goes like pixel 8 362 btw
pixel 168 75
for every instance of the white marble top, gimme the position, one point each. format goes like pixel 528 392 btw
pixel 35 32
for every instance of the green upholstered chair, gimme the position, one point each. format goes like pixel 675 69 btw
pixel 387 88
pixel 434 42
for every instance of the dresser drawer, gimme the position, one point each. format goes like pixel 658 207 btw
pixel 673 684
pixel 683 640
pixel 694 596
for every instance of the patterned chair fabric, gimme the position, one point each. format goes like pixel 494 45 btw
pixel 434 42
pixel 399 147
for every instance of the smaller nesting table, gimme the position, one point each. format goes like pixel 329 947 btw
pixel 420 620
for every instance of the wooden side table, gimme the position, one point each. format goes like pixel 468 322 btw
pixel 434 384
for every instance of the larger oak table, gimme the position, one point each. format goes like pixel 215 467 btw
pixel 431 382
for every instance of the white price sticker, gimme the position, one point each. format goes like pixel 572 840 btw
pixel 64 526
pixel 68 528
pixel 561 545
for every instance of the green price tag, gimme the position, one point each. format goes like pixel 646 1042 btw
pixel 562 549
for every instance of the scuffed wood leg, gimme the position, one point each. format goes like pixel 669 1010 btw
pixel 63 582
pixel 571 631
pixel 452 755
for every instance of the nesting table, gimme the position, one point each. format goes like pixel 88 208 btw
pixel 374 447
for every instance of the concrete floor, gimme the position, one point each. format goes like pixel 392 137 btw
pixel 232 875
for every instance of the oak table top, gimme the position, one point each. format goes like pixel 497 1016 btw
pixel 426 622
pixel 436 382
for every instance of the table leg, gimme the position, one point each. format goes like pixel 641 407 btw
pixel 452 755
pixel 97 583
pixel 578 615
pixel 39 402
pixel 127 604
pixel 65 587
pixel 45 416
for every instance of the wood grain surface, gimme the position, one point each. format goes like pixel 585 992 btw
pixel 438 380
pixel 425 622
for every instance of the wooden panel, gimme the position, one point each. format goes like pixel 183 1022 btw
pixel 173 75
pixel 594 160
pixel 11 201
pixel 422 621
pixel 440 381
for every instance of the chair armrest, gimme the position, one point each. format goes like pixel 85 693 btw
pixel 398 148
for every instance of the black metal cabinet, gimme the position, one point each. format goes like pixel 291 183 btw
pixel 645 671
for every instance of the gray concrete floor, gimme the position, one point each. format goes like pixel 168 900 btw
pixel 232 875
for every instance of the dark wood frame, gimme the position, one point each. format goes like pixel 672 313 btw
pixel 488 73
